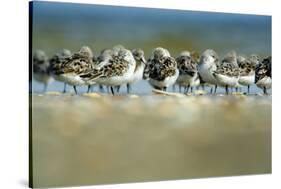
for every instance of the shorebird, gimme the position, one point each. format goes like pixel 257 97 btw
pixel 75 65
pixel 247 71
pixel 208 64
pixel 227 74
pixel 138 72
pixel 263 74
pixel 188 74
pixel 101 60
pixel 161 69
pixel 116 70
pixel 56 63
pixel 140 64
pixel 40 64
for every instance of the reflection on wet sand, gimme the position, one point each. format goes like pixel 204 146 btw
pixel 98 139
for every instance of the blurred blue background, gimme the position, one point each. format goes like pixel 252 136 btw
pixel 70 25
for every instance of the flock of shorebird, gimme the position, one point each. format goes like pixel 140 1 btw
pixel 119 66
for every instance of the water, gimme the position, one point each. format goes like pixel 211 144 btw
pixel 139 88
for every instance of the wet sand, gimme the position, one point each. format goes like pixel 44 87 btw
pixel 99 139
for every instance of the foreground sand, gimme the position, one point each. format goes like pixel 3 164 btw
pixel 98 139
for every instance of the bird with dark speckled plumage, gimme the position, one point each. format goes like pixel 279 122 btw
pixel 75 65
pixel 161 69
pixel 227 74
pixel 263 74
pixel 56 63
pixel 188 73
pixel 116 69
pixel 247 70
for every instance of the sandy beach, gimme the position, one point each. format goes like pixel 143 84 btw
pixel 101 139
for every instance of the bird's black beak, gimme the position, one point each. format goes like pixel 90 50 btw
pixel 143 60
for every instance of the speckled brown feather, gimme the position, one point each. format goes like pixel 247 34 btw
pixel 228 69
pixel 40 66
pixel 115 67
pixel 246 67
pixel 56 64
pixel 163 68
pixel 263 69
pixel 186 65
pixel 77 64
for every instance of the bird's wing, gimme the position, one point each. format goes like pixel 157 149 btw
pixel 166 68
pixel 108 70
pixel 228 70
pixel 76 64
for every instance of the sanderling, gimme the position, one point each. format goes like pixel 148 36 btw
pixel 247 71
pixel 41 67
pixel 195 58
pixel 75 65
pixel 161 69
pixel 157 54
pixel 227 74
pixel 138 72
pixel 104 58
pixel 140 64
pixel 101 60
pixel 117 69
pixel 188 74
pixel 56 63
pixel 208 63
pixel 263 74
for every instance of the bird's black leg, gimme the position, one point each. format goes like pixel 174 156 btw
pixel 101 88
pixel 128 88
pixel 226 89
pixel 191 89
pixel 89 88
pixel 264 90
pixel 64 88
pixel 112 91
pixel 236 89
pixel 248 89
pixel 215 89
pixel 187 89
pixel 211 90
pixel 74 87
pixel 118 88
